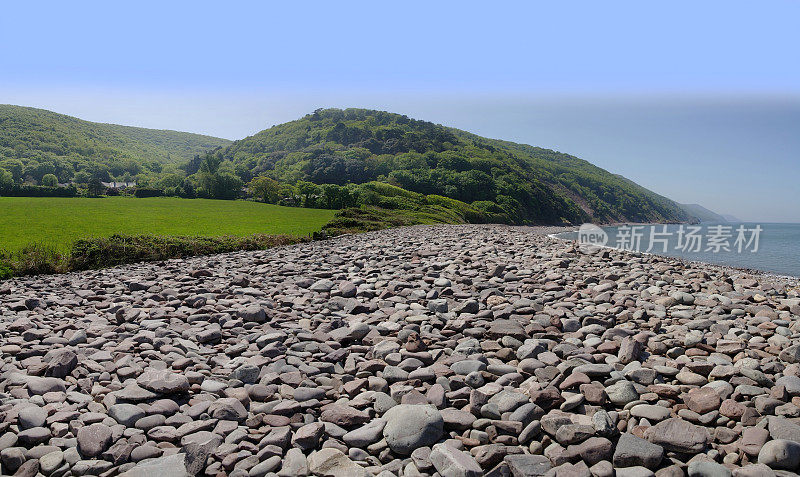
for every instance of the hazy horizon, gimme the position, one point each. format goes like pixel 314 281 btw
pixel 684 105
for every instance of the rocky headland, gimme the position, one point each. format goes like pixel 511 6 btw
pixel 445 350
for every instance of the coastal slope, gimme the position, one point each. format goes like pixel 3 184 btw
pixel 528 184
pixel 703 214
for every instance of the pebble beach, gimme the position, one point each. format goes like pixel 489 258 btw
pixel 453 350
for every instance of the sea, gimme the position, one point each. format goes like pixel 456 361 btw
pixel 768 247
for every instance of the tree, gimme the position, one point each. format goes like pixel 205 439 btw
pixel 244 171
pixel 229 186
pixel 210 164
pixel 95 187
pixel 188 189
pixel 14 166
pixel 50 180
pixel 99 171
pixel 217 182
pixel 6 181
pixel 193 165
pixel 265 189
pixel 81 177
pixel 308 190
pixel 336 197
pixel 220 185
pixel 170 180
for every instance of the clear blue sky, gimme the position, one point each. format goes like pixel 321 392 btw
pixel 699 101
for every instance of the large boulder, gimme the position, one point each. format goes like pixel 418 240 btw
pixel 780 454
pixel 94 439
pixel 163 381
pixel 62 364
pixel 410 426
pixel 633 451
pixel 782 428
pixel 677 435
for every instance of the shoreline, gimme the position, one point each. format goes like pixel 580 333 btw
pixel 731 269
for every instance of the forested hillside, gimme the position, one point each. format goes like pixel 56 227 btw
pixel 35 142
pixel 525 183
pixel 340 159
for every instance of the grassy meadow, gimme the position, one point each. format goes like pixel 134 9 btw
pixel 58 222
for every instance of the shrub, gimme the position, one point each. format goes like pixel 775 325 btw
pixel 94 253
pixel 6 271
pixel 33 259
pixel 50 180
pixel 147 192
pixel 116 250
pixel 38 259
pixel 26 190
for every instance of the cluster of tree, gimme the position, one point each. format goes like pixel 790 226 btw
pixel 304 193
pixel 374 196
pixel 316 161
pixel 528 184
pixel 36 145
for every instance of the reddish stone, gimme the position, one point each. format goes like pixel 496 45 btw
pixel 702 400
pixel 575 379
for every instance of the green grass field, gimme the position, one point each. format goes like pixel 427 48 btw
pixel 60 221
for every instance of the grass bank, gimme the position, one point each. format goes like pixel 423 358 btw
pixel 56 222
pixel 54 235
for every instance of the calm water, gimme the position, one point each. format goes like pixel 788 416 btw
pixel 777 251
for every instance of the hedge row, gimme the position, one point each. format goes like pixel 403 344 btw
pixel 102 252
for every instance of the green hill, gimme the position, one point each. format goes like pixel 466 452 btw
pixel 526 184
pixel 35 142
pixel 451 175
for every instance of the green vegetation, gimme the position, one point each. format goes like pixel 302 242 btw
pixel 305 160
pixel 120 249
pixel 58 222
pixel 376 205
pixel 100 252
pixel 525 184
pixel 368 169
pixel 49 235
pixel 35 143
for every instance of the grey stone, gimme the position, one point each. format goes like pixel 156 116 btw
pixel 451 462
pixel 633 451
pixel 32 416
pixel 780 454
pixel 365 435
pixel 622 392
pixel 526 465
pixel 411 426
pixel 167 466
pixel 163 381
pixel 333 463
pixel 705 468
pixel 126 414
